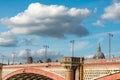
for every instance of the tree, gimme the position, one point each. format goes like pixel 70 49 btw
pixel 39 61
pixel 56 61
pixel 48 60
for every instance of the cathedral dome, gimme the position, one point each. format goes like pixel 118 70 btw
pixel 99 54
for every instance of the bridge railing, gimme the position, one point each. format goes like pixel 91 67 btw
pixel 102 60
pixel 52 64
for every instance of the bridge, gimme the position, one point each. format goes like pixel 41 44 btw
pixel 36 71
pixel 64 70
pixel 70 68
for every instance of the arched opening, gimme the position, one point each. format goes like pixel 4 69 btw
pixel 32 71
pixel 28 76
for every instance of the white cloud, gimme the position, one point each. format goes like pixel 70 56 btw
pixel 89 56
pixel 101 40
pixel 39 54
pixel 116 1
pixel 7 39
pixel 98 23
pixel 48 20
pixel 112 12
pixel 81 45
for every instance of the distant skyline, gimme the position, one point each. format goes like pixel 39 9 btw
pixel 31 24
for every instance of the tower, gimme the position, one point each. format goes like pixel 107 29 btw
pixel 74 68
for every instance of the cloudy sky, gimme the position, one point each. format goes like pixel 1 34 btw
pixel 31 24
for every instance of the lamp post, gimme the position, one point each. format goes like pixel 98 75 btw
pixel 46 46
pixel 109 44
pixel 13 57
pixel 3 56
pixel 72 41
pixel 28 52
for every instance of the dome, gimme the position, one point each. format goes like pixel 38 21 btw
pixel 99 54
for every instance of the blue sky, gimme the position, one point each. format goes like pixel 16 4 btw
pixel 31 24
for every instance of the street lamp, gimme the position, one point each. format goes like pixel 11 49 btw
pixel 28 52
pixel 46 46
pixel 3 56
pixel 13 56
pixel 72 41
pixel 109 44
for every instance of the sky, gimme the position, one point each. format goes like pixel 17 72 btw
pixel 26 26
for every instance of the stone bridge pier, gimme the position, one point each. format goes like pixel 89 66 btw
pixel 74 68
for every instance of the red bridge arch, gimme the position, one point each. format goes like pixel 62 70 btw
pixel 36 71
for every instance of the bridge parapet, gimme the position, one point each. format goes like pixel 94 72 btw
pixel 107 60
